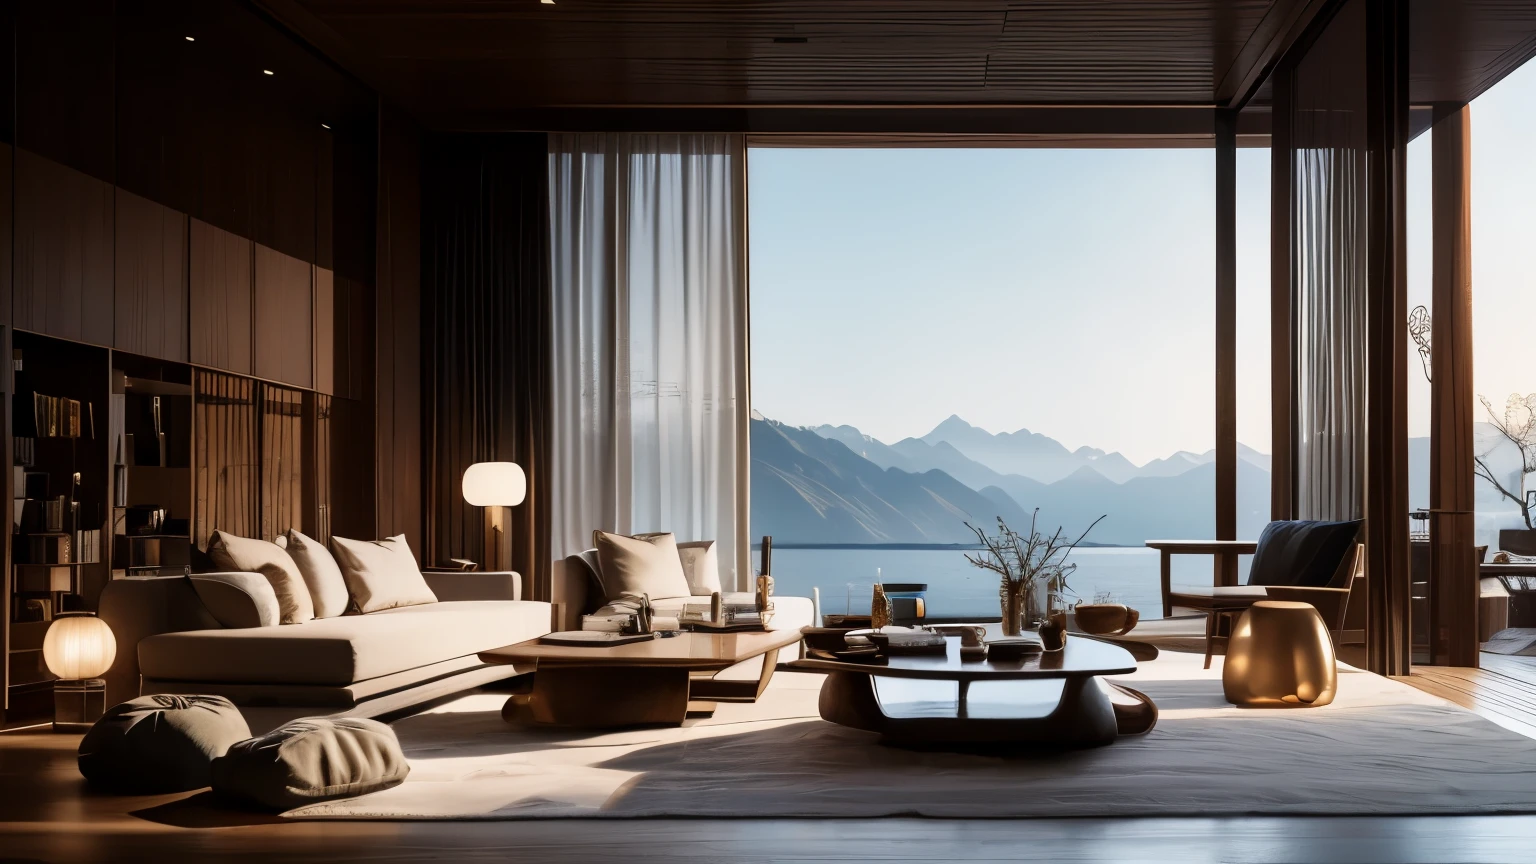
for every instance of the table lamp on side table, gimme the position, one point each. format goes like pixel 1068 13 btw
pixel 79 648
pixel 495 486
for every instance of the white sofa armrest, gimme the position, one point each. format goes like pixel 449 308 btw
pixel 476 585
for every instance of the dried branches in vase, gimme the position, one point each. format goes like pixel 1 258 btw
pixel 1027 565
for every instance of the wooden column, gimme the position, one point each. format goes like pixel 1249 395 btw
pixel 1282 316
pixel 1453 570
pixel 1388 631
pixel 1226 340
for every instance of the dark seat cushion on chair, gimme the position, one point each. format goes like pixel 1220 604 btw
pixel 1302 553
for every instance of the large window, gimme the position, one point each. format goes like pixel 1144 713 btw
pixel 943 336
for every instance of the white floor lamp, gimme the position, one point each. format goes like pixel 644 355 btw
pixel 495 486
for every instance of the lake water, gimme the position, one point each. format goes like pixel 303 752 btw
pixel 957 590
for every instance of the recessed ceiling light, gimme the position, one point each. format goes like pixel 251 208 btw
pixel 190 39
pixel 266 71
pixel 547 2
pixel 325 125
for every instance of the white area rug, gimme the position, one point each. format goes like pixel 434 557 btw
pixel 1382 747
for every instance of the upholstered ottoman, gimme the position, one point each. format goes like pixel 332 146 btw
pixel 311 760
pixel 160 743
pixel 1279 656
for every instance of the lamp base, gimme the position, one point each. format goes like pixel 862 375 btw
pixel 77 705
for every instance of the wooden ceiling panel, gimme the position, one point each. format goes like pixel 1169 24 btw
pixel 448 60
pixel 515 55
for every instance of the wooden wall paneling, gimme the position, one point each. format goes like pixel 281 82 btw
pixel 221 270
pixel 64 240
pixel 398 309
pixel 65 83
pixel 284 463
pixel 225 478
pixel 325 338
pixel 151 283
pixel 284 316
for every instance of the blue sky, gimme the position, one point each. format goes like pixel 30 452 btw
pixel 1069 291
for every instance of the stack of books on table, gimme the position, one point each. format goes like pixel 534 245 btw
pixel 611 623
pixel 738 612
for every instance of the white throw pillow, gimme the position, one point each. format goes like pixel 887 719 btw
pixel 644 564
pixel 238 600
pixel 701 567
pixel 381 574
pixel 326 586
pixel 258 556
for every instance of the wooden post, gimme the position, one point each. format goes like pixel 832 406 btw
pixel 1226 340
pixel 1388 630
pixel 1282 316
pixel 1453 572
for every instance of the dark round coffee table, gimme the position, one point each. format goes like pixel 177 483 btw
pixel 1082 716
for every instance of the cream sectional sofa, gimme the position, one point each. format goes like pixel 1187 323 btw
pixel 361 665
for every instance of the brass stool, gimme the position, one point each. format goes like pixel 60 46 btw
pixel 1280 656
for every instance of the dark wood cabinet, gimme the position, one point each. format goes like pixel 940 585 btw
pixel 64 240
pixel 221 270
pixel 151 283
pixel 284 314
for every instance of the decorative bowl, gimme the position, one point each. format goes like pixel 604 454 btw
pixel 1106 619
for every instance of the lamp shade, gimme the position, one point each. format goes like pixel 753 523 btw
pixel 79 647
pixel 494 484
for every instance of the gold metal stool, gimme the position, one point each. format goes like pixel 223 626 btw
pixel 1280 656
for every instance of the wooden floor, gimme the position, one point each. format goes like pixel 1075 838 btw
pixel 48 814
pixel 1503 690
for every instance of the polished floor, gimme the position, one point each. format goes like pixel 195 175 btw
pixel 47 814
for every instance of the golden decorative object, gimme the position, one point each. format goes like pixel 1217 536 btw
pixel 1280 656
pixel 879 609
pixel 1106 619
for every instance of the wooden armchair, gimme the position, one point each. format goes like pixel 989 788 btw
pixel 1306 562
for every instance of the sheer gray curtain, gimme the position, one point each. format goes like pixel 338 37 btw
pixel 1330 241
pixel 649 339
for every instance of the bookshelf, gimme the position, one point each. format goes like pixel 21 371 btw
pixel 59 493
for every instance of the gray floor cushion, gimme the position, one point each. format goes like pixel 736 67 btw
pixel 310 760
pixel 160 743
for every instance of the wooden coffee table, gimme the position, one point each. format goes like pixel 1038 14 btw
pixel 644 683
pixel 1082 716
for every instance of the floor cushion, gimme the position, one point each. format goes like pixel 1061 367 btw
pixel 160 743
pixel 311 760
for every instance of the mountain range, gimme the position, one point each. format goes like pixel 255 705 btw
pixel 835 484
pixel 813 486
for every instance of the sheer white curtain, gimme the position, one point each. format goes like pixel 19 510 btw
pixel 650 339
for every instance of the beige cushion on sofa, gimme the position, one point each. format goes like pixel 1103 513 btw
pixel 327 587
pixel 381 574
pixel 644 564
pixel 701 566
pixel 310 760
pixel 238 600
pixel 345 650
pixel 258 556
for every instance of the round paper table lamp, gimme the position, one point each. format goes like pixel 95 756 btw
pixel 79 649
pixel 495 486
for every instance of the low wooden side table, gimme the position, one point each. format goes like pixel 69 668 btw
pixel 661 681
